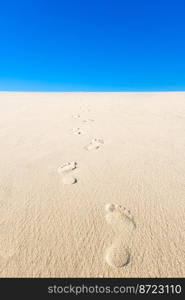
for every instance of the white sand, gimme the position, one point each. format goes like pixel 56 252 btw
pixel 52 229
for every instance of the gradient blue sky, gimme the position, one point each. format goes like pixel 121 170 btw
pixel 84 45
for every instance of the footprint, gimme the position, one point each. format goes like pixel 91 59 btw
pixel 66 167
pixel 69 180
pixel 94 144
pixel 77 131
pixel 88 120
pixel 122 222
pixel 118 255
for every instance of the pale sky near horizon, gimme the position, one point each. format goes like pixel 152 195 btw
pixel 78 45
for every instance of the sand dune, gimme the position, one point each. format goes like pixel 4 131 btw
pixel 92 184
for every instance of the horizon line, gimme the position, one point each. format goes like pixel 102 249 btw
pixel 139 91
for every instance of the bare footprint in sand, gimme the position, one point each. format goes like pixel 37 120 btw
pixel 122 222
pixel 88 120
pixel 94 144
pixel 66 167
pixel 69 180
pixel 77 131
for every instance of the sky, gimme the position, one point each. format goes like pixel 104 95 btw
pixel 92 45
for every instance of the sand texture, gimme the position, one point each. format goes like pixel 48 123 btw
pixel 92 184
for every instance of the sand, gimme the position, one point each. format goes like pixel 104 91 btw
pixel 92 184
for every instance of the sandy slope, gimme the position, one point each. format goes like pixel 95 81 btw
pixel 48 228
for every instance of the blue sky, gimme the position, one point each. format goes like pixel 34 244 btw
pixel 84 45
